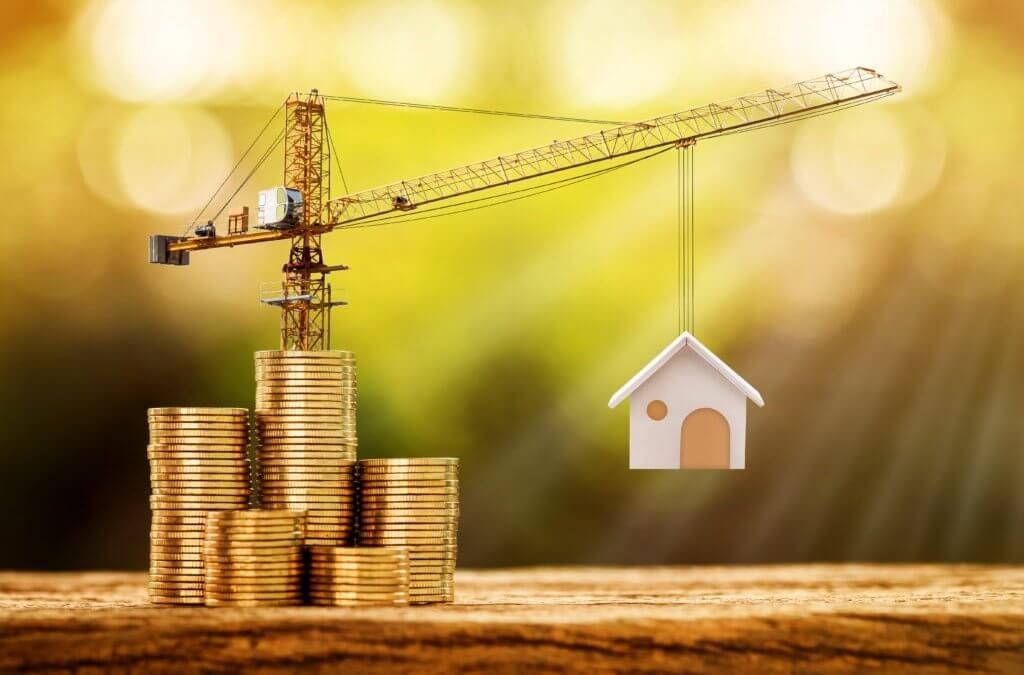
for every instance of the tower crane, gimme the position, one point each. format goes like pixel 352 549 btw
pixel 302 212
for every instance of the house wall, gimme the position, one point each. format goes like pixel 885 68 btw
pixel 685 383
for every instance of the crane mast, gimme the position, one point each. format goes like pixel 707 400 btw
pixel 305 295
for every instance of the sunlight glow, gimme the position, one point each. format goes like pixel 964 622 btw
pixel 148 50
pixel 418 50
pixel 170 160
pixel 903 39
pixel 854 163
pixel 603 57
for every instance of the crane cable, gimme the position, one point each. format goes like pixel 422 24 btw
pixel 477 111
pixel 241 159
pixel 533 190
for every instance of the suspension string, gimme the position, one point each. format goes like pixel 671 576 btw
pixel 679 241
pixel 685 241
pixel 693 243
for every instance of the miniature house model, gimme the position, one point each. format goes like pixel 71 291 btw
pixel 687 410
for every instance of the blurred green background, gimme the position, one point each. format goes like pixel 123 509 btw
pixel 863 270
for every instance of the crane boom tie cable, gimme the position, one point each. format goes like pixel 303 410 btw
pixel 241 159
pixel 534 190
pixel 476 111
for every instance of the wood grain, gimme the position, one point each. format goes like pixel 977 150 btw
pixel 818 618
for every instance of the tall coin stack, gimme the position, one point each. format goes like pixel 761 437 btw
pixel 359 576
pixel 198 463
pixel 253 558
pixel 306 426
pixel 414 503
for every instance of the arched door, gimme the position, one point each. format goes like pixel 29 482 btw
pixel 704 440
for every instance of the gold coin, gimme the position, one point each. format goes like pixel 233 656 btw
pixel 199 426
pixel 268 388
pixel 241 546
pixel 331 530
pixel 327 602
pixel 327 377
pixel 335 583
pixel 430 502
pixel 305 353
pixel 334 456
pixel 408 534
pixel 258 599
pixel 161 492
pixel 284 402
pixel 301 473
pixel 264 529
pixel 409 461
pixel 243 567
pixel 372 521
pixel 215 602
pixel 335 596
pixel 200 452
pixel 407 527
pixel 312 417
pixel 198 411
pixel 308 502
pixel 373 508
pixel 190 470
pixel 398 482
pixel 227 440
pixel 170 587
pixel 288 425
pixel 258 515
pixel 397 539
pixel 375 553
pixel 175 518
pixel 217 588
pixel 159 564
pixel 411 490
pixel 378 476
pixel 167 559
pixel 197 422
pixel 198 502
pixel 326 571
pixel 415 550
pixel 203 483
pixel 184 581
pixel 439 495
pixel 176 597
pixel 304 432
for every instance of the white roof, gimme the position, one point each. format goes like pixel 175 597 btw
pixel 686 340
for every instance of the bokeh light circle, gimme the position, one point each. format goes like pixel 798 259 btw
pixel 169 160
pixel 415 49
pixel 152 50
pixel 612 54
pixel 853 163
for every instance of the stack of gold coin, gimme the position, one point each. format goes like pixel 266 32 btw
pixel 414 503
pixel 253 558
pixel 198 463
pixel 305 420
pixel 359 576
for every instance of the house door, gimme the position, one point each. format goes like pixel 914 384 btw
pixel 704 440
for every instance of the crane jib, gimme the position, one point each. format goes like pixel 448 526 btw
pixel 766 108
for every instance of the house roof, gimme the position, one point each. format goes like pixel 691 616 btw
pixel 686 340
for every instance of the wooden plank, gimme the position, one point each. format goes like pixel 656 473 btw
pixel 820 618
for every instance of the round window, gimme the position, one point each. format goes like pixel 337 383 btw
pixel 657 410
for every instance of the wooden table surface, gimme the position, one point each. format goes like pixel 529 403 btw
pixel 812 618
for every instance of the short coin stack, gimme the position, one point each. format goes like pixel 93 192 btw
pixel 253 558
pixel 198 463
pixel 305 421
pixel 414 503
pixel 359 576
